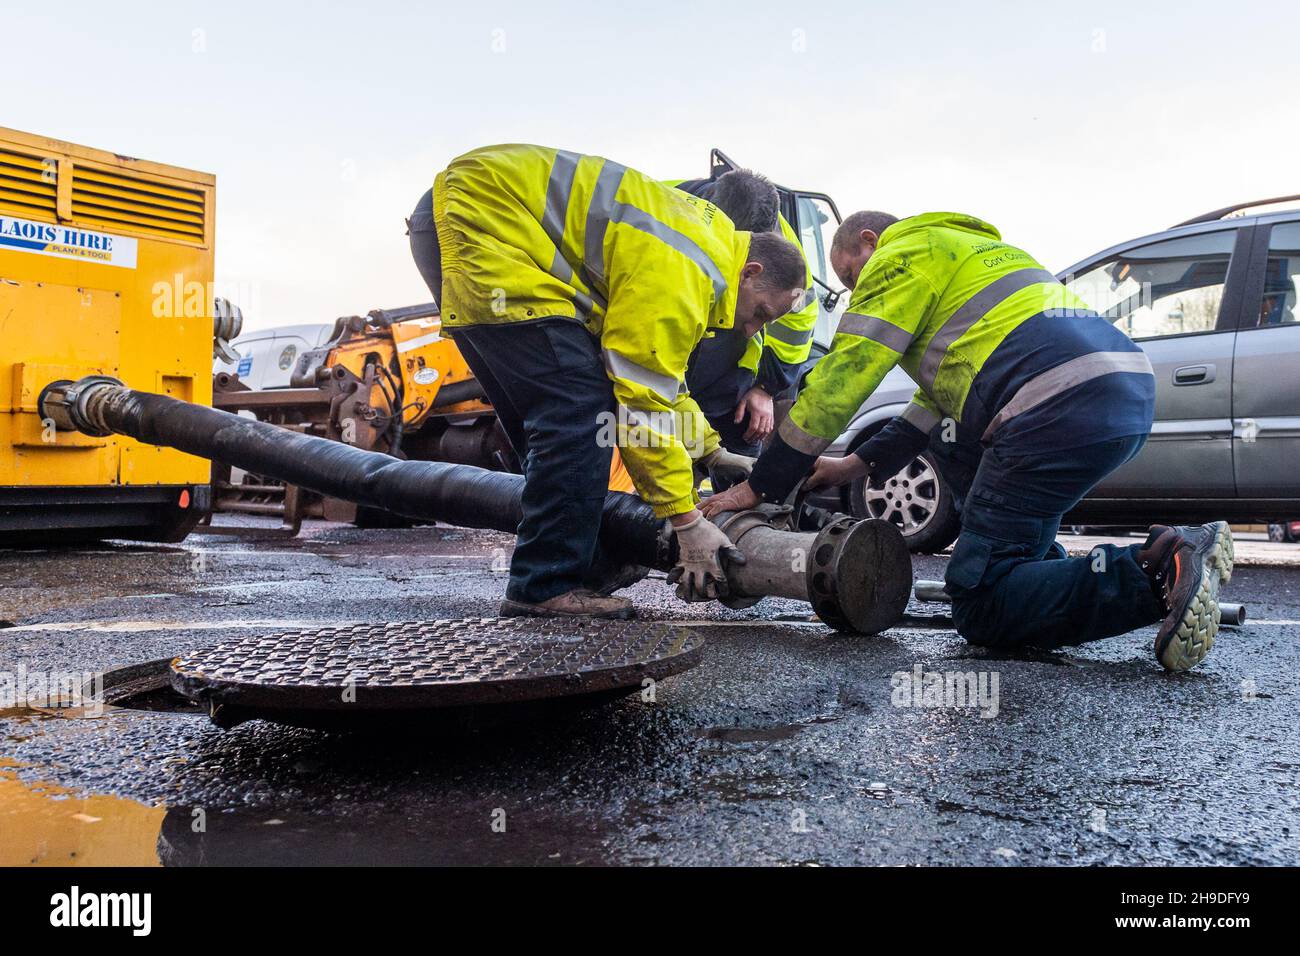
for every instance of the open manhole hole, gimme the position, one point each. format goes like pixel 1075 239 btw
pixel 146 686
pixel 443 672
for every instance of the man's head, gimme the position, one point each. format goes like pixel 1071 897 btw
pixel 749 200
pixel 855 241
pixel 771 281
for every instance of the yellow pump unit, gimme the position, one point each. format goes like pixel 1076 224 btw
pixel 106 267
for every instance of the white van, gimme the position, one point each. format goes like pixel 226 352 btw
pixel 267 356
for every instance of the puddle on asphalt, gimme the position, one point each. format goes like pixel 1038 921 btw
pixel 89 712
pixel 48 825
pixel 45 824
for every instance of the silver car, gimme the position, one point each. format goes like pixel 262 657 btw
pixel 1213 304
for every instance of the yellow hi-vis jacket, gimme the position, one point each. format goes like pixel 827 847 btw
pixel 939 298
pixel 939 295
pixel 529 232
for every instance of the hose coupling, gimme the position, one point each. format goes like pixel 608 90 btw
pixel 74 406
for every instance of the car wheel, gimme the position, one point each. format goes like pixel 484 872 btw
pixel 916 500
pixel 1280 533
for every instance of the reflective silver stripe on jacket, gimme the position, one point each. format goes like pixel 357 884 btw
pixel 559 190
pixel 921 417
pixel 585 305
pixel 598 215
pixel 974 309
pixel 665 386
pixel 642 220
pixel 877 330
pixel 800 440
pixel 1065 377
pixel 783 333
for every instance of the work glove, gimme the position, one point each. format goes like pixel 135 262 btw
pixel 701 548
pixel 727 468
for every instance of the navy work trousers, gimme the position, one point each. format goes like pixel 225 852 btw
pixel 1010 581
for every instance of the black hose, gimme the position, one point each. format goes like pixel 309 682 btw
pixel 430 490
pixel 454 393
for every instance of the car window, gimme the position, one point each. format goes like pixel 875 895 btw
pixel 1174 287
pixel 1278 305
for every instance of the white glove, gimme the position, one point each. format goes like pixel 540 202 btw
pixel 727 468
pixel 700 548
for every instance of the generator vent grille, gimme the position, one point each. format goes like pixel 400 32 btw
pixel 28 183
pixel 115 200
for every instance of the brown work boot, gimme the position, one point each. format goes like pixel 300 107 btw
pixel 576 603
pixel 1187 587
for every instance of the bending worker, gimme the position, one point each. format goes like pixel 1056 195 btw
pixel 576 289
pixel 734 379
pixel 1028 399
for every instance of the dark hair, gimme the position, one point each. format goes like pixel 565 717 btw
pixel 782 261
pixel 852 227
pixel 748 198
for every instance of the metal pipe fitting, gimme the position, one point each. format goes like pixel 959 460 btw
pixel 74 406
pixel 857 575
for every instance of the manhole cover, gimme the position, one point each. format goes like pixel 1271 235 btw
pixel 349 675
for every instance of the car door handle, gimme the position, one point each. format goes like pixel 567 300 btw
pixel 1194 375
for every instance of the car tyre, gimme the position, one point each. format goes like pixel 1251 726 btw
pixel 916 500
pixel 1281 532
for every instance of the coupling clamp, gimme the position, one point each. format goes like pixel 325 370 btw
pixel 69 406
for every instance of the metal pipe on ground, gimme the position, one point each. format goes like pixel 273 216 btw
pixel 856 574
pixel 1232 615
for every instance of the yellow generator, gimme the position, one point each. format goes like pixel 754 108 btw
pixel 106 267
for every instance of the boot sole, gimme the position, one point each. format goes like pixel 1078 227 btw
pixel 1221 554
pixel 1182 645
pixel 516 609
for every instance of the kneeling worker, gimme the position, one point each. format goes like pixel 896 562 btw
pixel 1029 399
pixel 576 289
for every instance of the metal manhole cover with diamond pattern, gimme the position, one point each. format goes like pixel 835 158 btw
pixel 428 665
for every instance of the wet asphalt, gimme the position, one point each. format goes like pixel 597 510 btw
pixel 787 745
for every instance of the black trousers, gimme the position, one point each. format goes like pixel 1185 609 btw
pixel 547 383
pixel 717 384
pixel 424 245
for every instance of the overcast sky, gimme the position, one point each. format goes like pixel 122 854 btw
pixel 1070 129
